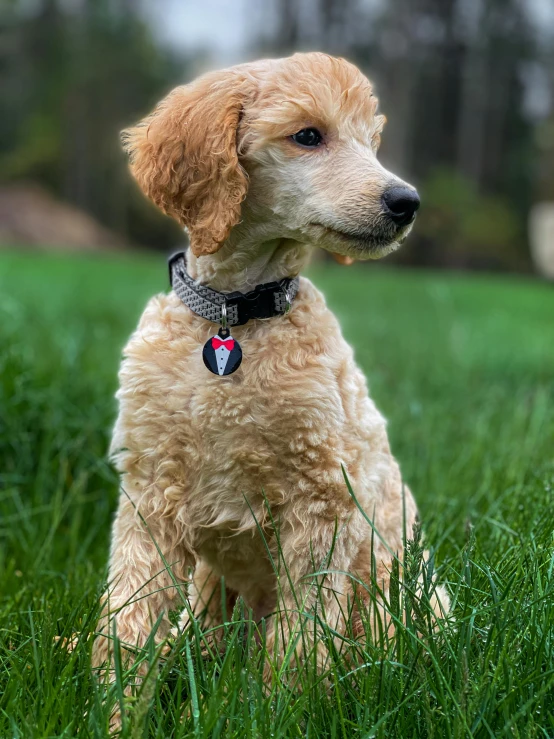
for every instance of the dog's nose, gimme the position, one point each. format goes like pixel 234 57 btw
pixel 400 204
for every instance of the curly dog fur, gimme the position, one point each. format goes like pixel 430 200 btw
pixel 208 462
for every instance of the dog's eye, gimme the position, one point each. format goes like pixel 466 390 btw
pixel 307 137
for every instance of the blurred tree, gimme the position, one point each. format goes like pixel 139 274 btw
pixel 464 61
pixel 73 75
pixel 543 104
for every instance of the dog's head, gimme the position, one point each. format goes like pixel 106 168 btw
pixel 288 146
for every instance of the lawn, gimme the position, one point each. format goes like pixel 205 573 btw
pixel 463 368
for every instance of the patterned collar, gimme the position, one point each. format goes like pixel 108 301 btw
pixel 264 301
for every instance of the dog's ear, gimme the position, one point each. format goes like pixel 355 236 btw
pixel 184 157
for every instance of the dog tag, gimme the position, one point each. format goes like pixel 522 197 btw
pixel 222 354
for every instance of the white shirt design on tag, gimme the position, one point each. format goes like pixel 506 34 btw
pixel 221 357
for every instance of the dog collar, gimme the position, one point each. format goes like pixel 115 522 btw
pixel 264 301
pixel 222 354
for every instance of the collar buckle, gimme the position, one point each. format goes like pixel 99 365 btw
pixel 258 303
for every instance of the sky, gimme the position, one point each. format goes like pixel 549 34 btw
pixel 221 26
pixel 225 27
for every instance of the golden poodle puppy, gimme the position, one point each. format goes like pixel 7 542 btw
pixel 232 476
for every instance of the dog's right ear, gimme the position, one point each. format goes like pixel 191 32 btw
pixel 184 156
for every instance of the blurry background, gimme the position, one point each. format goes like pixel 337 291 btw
pixel 468 87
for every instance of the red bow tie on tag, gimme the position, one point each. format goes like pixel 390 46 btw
pixel 227 343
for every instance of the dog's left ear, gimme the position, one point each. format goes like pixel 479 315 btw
pixel 184 156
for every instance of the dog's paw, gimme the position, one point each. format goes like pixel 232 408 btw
pixel 68 642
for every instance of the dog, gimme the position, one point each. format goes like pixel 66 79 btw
pixel 226 475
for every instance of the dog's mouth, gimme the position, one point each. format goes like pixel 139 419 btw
pixel 383 238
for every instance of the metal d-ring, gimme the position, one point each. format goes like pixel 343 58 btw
pixel 223 319
pixel 287 301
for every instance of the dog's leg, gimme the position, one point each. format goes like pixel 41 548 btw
pixel 142 586
pixel 210 600
pixel 312 588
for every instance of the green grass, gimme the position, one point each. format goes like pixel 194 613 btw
pixel 462 367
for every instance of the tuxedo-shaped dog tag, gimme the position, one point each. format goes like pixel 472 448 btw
pixel 222 354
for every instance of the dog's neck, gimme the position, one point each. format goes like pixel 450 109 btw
pixel 243 263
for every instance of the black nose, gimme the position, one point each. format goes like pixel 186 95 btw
pixel 400 204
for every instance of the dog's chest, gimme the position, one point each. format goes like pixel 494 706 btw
pixel 269 421
pixel 279 429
